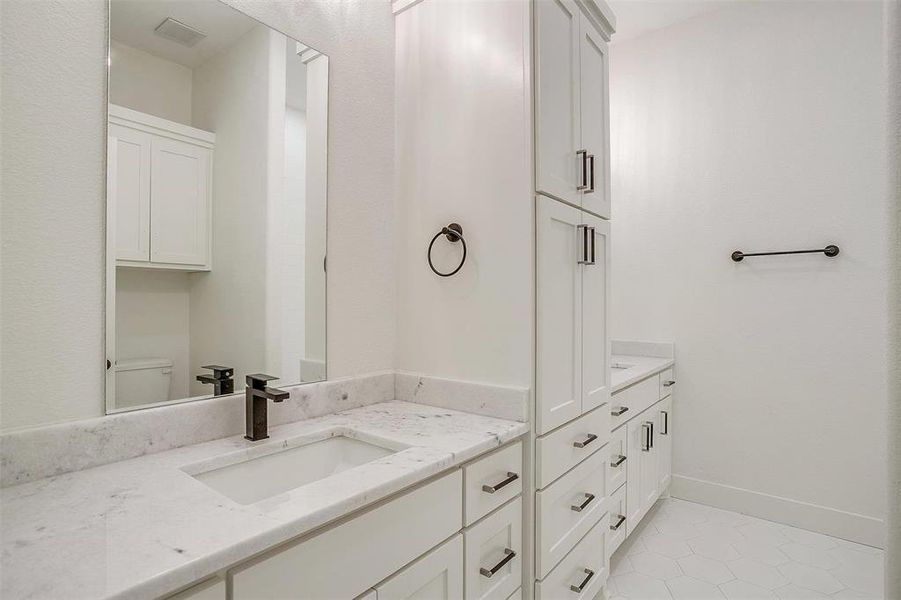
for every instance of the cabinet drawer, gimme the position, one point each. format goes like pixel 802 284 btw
pixel 436 576
pixel 616 513
pixel 629 402
pixel 561 450
pixel 582 574
pixel 619 457
pixel 377 543
pixel 491 481
pixel 667 381
pixel 567 509
pixel 493 554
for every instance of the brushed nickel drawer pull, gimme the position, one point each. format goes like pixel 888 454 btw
pixel 588 439
pixel 578 588
pixel 620 519
pixel 620 459
pixel 619 410
pixel 511 477
pixel 589 498
pixel 490 572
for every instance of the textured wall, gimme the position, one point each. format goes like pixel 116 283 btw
pixel 54 120
pixel 757 127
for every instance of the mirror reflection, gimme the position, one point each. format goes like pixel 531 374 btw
pixel 216 224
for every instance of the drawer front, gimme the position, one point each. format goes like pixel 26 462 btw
pixel 377 543
pixel 582 574
pixel 491 481
pixel 629 402
pixel 561 450
pixel 492 559
pixel 436 576
pixel 616 513
pixel 568 508
pixel 617 467
pixel 667 383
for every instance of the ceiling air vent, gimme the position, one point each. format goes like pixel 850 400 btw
pixel 179 32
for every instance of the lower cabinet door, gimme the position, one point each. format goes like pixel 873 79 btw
pixel 436 576
pixel 616 506
pixel 582 574
pixel 664 442
pixel 642 484
pixel 493 554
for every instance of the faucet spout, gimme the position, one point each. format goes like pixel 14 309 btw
pixel 256 403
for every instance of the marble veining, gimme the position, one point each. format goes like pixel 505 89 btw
pixel 143 527
pixel 32 454
pixel 503 402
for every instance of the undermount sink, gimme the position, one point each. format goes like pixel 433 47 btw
pixel 257 478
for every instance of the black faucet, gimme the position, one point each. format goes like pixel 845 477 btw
pixel 221 379
pixel 256 402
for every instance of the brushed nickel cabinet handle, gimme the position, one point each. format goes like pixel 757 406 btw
pixel 508 556
pixel 665 430
pixel 582 157
pixel 589 498
pixel 619 410
pixel 588 439
pixel 578 588
pixel 620 519
pixel 511 477
pixel 590 189
pixel 620 459
pixel 669 383
pixel 646 429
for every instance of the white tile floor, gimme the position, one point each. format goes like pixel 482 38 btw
pixel 690 551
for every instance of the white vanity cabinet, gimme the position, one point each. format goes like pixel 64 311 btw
pixel 411 546
pixel 572 137
pixel 573 358
pixel 159 191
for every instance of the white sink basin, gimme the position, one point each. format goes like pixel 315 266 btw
pixel 258 478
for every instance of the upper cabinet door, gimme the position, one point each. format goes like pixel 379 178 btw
pixel 559 299
pixel 560 165
pixel 128 192
pixel 595 303
pixel 595 118
pixel 180 203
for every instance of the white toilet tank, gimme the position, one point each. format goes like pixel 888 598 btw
pixel 142 381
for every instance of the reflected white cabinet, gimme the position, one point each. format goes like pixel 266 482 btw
pixel 573 353
pixel 571 106
pixel 436 576
pixel 159 191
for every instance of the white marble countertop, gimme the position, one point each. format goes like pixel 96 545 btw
pixel 142 528
pixel 638 368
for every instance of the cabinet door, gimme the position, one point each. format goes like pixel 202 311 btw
pixel 128 192
pixel 664 442
pixel 436 576
pixel 595 301
pixel 595 118
pixel 179 203
pixel 649 483
pixel 557 135
pixel 636 438
pixel 559 305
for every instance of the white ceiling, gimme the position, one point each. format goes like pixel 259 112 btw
pixel 132 23
pixel 637 17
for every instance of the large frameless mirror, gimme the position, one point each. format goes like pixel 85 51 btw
pixel 216 203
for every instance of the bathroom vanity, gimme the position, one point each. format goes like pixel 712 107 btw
pixel 393 497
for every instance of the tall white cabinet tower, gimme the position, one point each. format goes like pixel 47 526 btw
pixel 502 124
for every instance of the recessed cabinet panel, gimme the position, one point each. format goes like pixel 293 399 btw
pixel 179 203
pixel 436 576
pixel 582 574
pixel 559 168
pixel 493 554
pixel 491 481
pixel 129 182
pixel 594 119
pixel 559 282
pixel 595 301
pixel 643 484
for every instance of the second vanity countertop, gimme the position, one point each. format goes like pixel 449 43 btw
pixel 638 368
pixel 142 528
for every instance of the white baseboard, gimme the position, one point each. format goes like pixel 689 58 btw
pixel 822 519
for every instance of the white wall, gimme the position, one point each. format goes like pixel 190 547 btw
pixel 760 127
pixel 476 325
pixel 141 81
pixel 53 204
pixel 292 238
pixel 153 321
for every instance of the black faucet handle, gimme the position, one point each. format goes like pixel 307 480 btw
pixel 220 372
pixel 257 381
